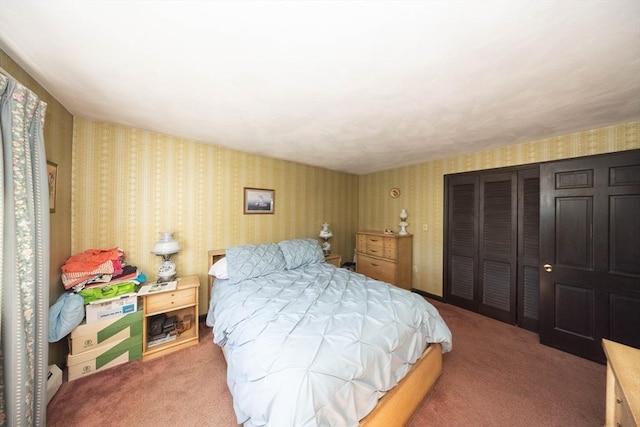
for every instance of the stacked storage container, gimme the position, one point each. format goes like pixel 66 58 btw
pixel 102 344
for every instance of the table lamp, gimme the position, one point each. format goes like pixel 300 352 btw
pixel 403 222
pixel 166 247
pixel 326 234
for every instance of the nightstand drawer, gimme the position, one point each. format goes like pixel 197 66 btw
pixel 333 259
pixel 170 300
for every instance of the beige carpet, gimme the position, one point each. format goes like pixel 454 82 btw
pixel 497 375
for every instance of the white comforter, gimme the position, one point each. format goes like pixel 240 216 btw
pixel 318 345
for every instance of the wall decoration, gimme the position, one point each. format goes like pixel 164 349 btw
pixel 259 201
pixel 52 179
pixel 394 193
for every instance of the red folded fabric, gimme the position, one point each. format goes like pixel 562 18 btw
pixel 91 259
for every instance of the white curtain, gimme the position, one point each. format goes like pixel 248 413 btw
pixel 24 251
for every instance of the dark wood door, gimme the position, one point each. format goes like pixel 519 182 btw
pixel 590 253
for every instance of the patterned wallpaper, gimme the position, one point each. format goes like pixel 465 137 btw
pixel 422 189
pixel 129 184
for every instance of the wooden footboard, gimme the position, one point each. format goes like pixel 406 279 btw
pixel 398 406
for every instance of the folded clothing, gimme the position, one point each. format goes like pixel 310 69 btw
pixel 107 291
pixel 91 264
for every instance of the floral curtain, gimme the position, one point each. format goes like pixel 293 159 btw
pixel 24 253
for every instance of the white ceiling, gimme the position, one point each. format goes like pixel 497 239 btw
pixel 357 86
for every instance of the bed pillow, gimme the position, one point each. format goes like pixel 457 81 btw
pixel 300 252
pixel 249 261
pixel 219 269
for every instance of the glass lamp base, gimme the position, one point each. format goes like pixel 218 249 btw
pixel 166 279
pixel 166 271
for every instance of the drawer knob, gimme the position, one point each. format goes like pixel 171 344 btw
pixel 618 401
pixel 374 264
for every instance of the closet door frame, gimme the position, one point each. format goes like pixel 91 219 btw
pixel 528 260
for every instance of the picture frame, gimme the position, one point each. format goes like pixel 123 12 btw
pixel 259 200
pixel 52 179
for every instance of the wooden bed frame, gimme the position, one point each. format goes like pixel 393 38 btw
pixel 395 408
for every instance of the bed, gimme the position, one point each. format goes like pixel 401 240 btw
pixel 308 343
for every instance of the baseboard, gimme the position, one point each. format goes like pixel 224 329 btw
pixel 428 295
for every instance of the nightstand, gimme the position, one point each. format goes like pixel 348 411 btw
pixel 333 259
pixel 182 303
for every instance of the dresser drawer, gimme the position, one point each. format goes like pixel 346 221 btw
pixel 361 243
pixel 375 245
pixel 623 416
pixel 374 241
pixel 169 300
pixel 375 250
pixel 390 243
pixel 390 249
pixel 376 268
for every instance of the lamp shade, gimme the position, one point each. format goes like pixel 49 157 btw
pixel 167 245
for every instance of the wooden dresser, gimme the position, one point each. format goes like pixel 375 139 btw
pixel 385 257
pixel 623 385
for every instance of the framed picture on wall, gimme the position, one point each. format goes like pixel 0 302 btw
pixel 259 200
pixel 52 178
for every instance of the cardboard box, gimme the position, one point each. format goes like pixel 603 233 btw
pixel 54 381
pixel 104 357
pixel 111 307
pixel 88 336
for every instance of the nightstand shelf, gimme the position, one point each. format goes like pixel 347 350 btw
pixel 181 302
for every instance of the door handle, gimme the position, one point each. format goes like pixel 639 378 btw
pixel 548 268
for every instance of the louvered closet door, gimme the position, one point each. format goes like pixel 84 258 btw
pixel 528 248
pixel 462 241
pixel 491 243
pixel 498 246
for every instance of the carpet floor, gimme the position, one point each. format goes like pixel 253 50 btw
pixel 496 375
